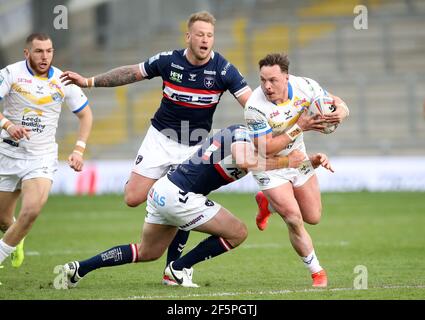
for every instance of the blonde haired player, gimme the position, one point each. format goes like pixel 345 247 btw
pixel 274 115
pixel 194 79
pixel 32 95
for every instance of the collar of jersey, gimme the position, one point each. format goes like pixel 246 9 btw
pixel 49 75
pixel 290 94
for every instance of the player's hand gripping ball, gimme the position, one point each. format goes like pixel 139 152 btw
pixel 323 105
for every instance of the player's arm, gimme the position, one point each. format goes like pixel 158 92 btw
pixel 340 113
pixel 15 131
pixel 113 78
pixel 237 84
pixel 75 159
pixel 243 98
pixel 247 157
pixel 271 143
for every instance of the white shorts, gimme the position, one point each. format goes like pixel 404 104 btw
pixel 273 178
pixel 13 171
pixel 167 204
pixel 158 153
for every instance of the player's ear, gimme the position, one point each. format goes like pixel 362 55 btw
pixel 187 37
pixel 26 53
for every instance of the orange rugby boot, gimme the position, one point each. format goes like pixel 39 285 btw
pixel 264 213
pixel 320 279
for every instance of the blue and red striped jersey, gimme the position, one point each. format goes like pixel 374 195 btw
pixel 190 93
pixel 212 166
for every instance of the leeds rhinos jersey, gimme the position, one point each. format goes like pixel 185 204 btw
pixel 212 166
pixel 190 93
pixel 263 117
pixel 35 103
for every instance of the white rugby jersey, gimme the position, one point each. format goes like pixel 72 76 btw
pixel 35 103
pixel 263 116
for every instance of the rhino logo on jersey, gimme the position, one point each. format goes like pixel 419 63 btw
pixel 209 82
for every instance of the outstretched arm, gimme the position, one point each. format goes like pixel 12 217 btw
pixel 320 159
pixel 116 77
pixel 247 157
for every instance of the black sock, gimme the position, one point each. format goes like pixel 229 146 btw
pixel 176 247
pixel 112 257
pixel 209 248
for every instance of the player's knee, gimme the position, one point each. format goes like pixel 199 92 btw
pixel 133 199
pixel 241 233
pixel 145 254
pixel 312 220
pixel 313 217
pixel 293 220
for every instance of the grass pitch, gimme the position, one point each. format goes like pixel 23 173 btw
pixel 384 232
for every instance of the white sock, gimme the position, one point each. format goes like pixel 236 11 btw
pixel 312 263
pixel 5 250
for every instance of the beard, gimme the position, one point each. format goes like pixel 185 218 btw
pixel 38 71
pixel 198 55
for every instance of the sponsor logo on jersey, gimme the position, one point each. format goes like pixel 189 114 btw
pixel 175 76
pixel 33 122
pixel 235 172
pixel 157 198
pixel 255 125
pixel 176 66
pixel 191 97
pixel 21 90
pixel 226 67
pixel 23 80
pixel 192 76
pixel 1 79
pixel 157 56
pixel 209 82
pixel 274 114
pixel 256 110
pixel 193 221
pixel 299 102
pixel 210 72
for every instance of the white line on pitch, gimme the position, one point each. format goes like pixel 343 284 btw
pixel 259 293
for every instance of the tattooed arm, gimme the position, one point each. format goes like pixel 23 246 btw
pixel 116 77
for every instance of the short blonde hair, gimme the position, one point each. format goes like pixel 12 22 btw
pixel 200 16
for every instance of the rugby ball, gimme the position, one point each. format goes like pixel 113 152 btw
pixel 323 105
